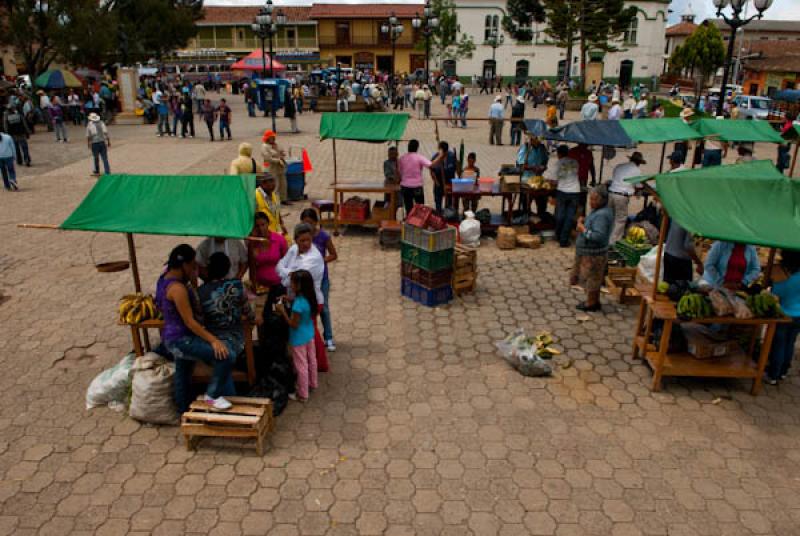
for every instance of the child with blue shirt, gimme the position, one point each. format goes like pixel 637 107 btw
pixel 788 292
pixel 301 332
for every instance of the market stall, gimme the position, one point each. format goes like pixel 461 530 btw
pixel 176 205
pixel 735 131
pixel 605 133
pixel 721 203
pixel 365 127
pixel 663 131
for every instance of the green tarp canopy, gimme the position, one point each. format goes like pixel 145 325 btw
pixel 362 126
pixel 179 205
pixel 658 130
pixel 751 203
pixel 738 130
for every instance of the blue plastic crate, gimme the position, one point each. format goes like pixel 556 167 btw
pixel 426 296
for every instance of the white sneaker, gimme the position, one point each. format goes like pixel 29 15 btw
pixel 330 345
pixel 293 396
pixel 217 403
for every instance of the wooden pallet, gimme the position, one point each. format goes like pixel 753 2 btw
pixel 248 418
pixel 621 282
pixel 465 269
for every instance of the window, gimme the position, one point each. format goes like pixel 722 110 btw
pixel 522 69
pixel 241 35
pixel 342 33
pixel 491 26
pixel 630 34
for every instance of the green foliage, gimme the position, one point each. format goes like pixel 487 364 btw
pixel 702 52
pixel 521 15
pixel 445 41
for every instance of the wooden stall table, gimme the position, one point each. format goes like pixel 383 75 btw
pixel 507 193
pixel 202 371
pixel 738 364
pixel 376 216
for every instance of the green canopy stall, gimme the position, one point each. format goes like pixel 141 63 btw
pixel 365 127
pixel 750 203
pixel 179 205
pixel 661 131
pixel 738 130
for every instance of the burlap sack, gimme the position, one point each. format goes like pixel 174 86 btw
pixel 152 392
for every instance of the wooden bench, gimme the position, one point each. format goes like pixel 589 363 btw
pixel 248 418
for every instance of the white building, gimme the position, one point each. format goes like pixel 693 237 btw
pixel 641 54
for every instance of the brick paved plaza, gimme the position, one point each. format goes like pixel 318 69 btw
pixel 419 428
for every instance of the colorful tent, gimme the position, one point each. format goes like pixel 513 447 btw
pixel 739 130
pixel 363 126
pixel 751 203
pixel 180 205
pixel 254 62
pixel 58 79
pixel 658 130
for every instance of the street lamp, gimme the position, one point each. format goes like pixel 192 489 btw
pixel 428 23
pixel 265 27
pixel 394 30
pixel 495 40
pixel 735 23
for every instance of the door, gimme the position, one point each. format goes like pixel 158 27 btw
pixel 521 71
pixel 384 64
pixel 625 74
pixel 562 68
pixel 449 67
pixel 345 61
pixel 489 68
pixel 343 33
pixel 417 61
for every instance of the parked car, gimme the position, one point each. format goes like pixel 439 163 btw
pixel 751 107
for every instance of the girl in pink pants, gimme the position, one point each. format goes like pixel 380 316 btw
pixel 301 332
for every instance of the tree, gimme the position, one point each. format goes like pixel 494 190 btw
pixel 703 52
pixel 44 31
pixel 446 43
pixel 593 24
pixel 521 15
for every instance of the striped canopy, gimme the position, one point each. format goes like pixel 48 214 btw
pixel 58 79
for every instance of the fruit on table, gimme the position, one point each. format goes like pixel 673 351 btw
pixel 636 235
pixel 693 305
pixel 764 305
pixel 663 287
pixel 135 308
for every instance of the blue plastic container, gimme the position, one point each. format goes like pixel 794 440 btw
pixel 295 180
pixel 426 296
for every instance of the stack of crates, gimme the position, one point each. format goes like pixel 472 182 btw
pixel 465 269
pixel 427 264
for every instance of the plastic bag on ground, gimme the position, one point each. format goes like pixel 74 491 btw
pixel 110 387
pixel 518 351
pixel 152 398
pixel 470 230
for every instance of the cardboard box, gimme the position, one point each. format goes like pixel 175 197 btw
pixel 703 343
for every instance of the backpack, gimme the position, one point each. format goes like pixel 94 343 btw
pixel 14 118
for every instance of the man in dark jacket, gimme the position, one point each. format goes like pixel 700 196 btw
pixel 16 126
pixel 518 114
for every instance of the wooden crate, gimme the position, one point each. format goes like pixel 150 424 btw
pixel 621 281
pixel 248 418
pixel 465 269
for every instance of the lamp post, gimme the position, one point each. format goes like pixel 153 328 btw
pixel 265 27
pixel 394 30
pixel 735 23
pixel 428 23
pixel 495 40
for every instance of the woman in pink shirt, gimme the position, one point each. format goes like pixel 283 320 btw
pixel 410 166
pixel 263 256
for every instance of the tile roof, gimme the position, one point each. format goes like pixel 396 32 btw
pixel 364 11
pixel 763 26
pixel 776 56
pixel 245 15
pixel 682 28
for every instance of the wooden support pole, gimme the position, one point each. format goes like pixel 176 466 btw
pixel 436 130
pixel 770 264
pixel 794 158
pixel 134 264
pixel 335 171
pixel 602 164
pixel 663 152
pixel 662 234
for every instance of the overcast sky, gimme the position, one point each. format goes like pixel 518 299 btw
pixel 781 9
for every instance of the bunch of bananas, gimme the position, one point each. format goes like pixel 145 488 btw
pixel 134 308
pixel 636 235
pixel 542 346
pixel 764 305
pixel 693 305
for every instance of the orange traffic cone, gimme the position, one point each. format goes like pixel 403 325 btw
pixel 306 163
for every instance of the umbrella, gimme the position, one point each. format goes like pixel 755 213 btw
pixel 254 62
pixel 58 79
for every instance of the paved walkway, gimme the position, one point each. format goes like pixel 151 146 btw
pixel 420 428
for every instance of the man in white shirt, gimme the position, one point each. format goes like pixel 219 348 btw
pixel 627 106
pixel 615 112
pixel 620 193
pixel 496 122
pixel 568 193
pixel 231 247
pixel 590 109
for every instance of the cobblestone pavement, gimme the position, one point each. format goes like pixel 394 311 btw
pixel 420 428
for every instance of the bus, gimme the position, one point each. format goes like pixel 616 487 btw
pixel 200 66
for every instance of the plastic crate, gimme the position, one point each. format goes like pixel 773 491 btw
pixel 433 261
pixel 632 253
pixel 429 240
pixel 426 296
pixel 354 210
pixel 424 277
pixel 419 216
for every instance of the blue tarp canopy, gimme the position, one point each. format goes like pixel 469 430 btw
pixel 537 127
pixel 599 132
